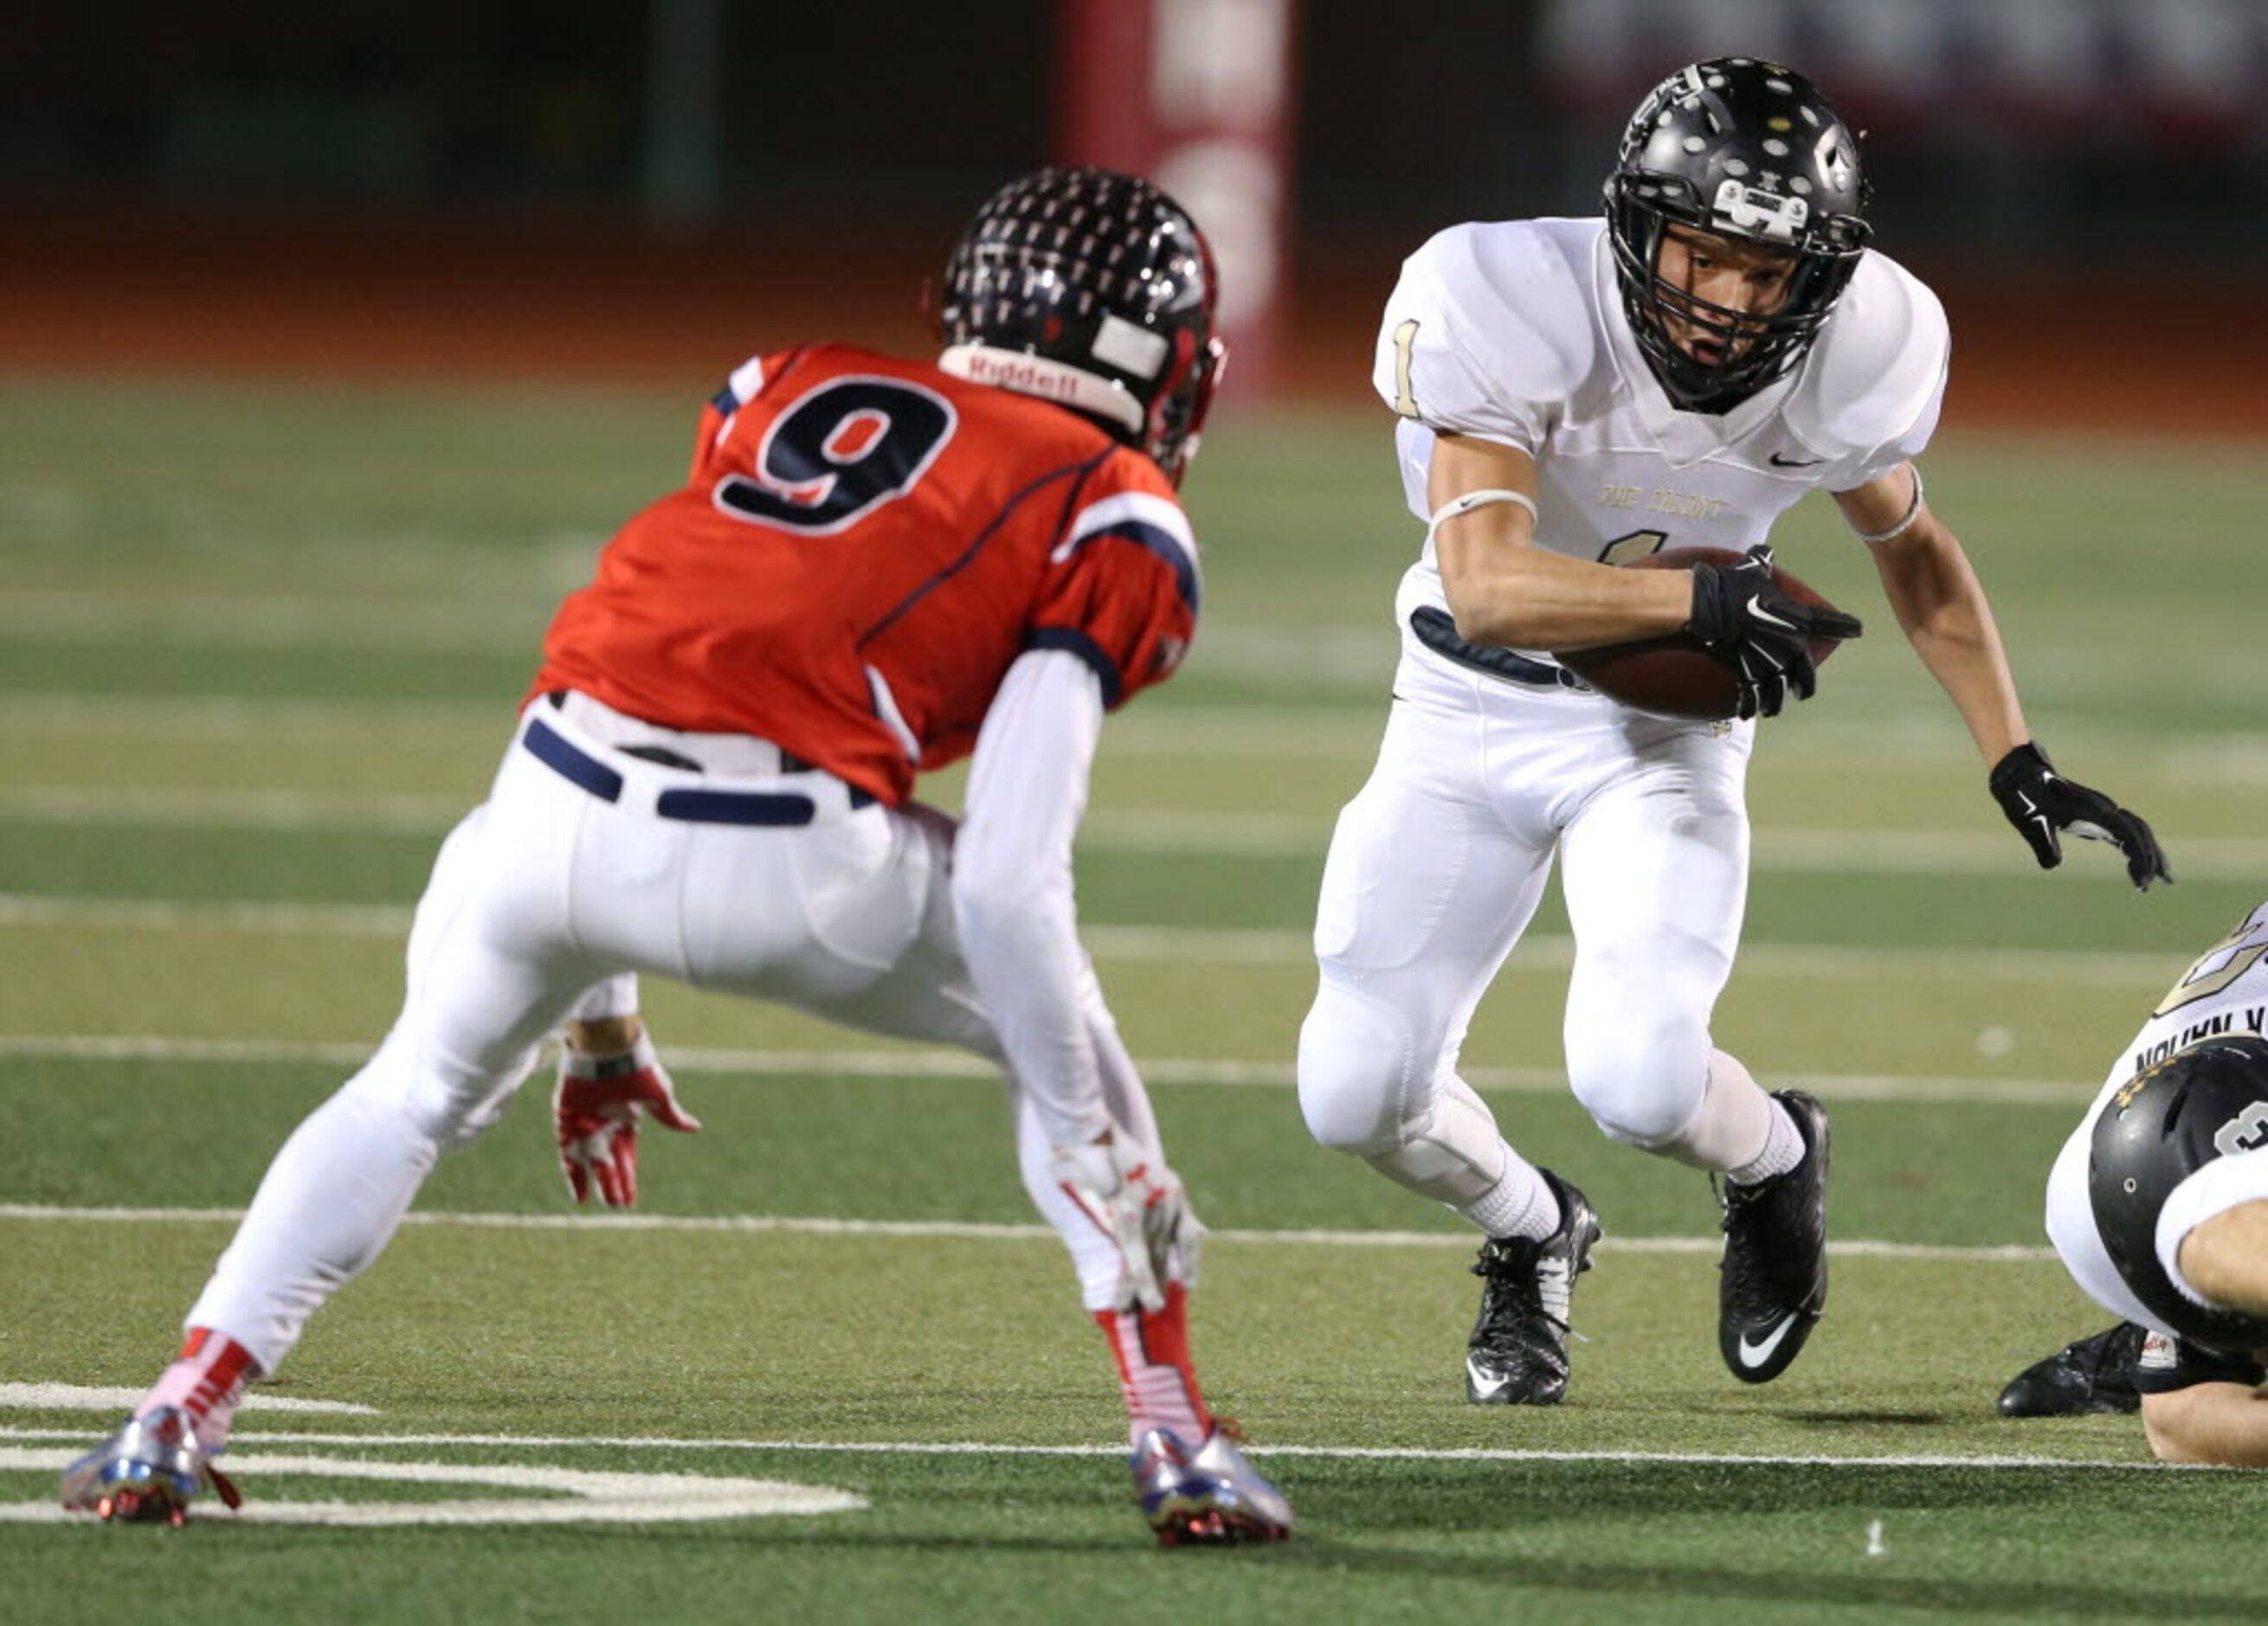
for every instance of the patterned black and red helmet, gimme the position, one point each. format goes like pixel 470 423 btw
pixel 1095 290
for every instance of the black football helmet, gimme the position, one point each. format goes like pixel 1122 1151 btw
pixel 1746 150
pixel 1095 290
pixel 2208 1101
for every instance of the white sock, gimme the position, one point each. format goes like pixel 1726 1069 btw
pixel 1784 1148
pixel 1519 1204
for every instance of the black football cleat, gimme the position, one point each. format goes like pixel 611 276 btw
pixel 1518 1353
pixel 1773 1284
pixel 2087 1379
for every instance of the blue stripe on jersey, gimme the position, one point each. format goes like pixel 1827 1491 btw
pixel 725 402
pixel 1071 638
pixel 1078 471
pixel 1160 542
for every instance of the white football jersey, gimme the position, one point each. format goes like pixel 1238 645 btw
pixel 1514 331
pixel 2224 992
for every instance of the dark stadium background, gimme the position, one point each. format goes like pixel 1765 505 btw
pixel 495 186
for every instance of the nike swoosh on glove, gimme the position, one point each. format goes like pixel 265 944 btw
pixel 595 1110
pixel 1742 615
pixel 2043 805
pixel 1134 1199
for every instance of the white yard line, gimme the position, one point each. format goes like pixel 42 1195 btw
pixel 978 1448
pixel 1840 963
pixel 954 1064
pixel 236 810
pixel 239 717
pixel 584 1495
pixel 158 915
pixel 1347 731
pixel 86 1397
pixel 280 620
pixel 745 1224
pixel 1132 830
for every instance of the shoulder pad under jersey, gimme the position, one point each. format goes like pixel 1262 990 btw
pixel 1874 383
pixel 1491 328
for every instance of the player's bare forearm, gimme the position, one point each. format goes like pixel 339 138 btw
pixel 2226 1257
pixel 2224 1422
pixel 1502 590
pixel 1510 594
pixel 1942 610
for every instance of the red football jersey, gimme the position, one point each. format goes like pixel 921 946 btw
pixel 864 546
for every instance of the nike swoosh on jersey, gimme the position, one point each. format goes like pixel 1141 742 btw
pixel 1755 1355
pixel 1777 462
pixel 1482 1387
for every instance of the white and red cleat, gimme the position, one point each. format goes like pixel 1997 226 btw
pixel 1209 1496
pixel 147 1473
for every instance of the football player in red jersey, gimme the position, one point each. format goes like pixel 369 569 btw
pixel 876 567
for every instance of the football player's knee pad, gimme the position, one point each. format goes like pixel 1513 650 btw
pixel 1457 1157
pixel 1356 1071
pixel 1642 1077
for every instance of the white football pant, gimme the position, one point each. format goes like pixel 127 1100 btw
pixel 1435 870
pixel 546 890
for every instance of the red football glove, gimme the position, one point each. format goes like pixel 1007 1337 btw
pixel 596 1109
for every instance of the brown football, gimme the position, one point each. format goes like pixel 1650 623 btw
pixel 1674 677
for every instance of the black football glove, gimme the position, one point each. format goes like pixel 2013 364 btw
pixel 1741 616
pixel 2041 802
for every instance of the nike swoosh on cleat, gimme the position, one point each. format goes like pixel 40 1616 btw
pixel 1755 1355
pixel 1482 1387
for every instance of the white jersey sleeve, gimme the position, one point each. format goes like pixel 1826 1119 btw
pixel 1011 882
pixel 1869 395
pixel 1487 334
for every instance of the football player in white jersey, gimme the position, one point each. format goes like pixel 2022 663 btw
pixel 2158 1205
pixel 1574 393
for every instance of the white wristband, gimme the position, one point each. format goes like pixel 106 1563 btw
pixel 1471 500
pixel 1913 513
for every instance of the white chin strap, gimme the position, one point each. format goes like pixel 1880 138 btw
pixel 1471 500
pixel 1045 377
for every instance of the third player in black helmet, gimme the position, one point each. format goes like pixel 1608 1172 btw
pixel 1574 393
pixel 2158 1206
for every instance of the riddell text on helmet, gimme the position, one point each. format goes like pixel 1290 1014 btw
pixel 1031 377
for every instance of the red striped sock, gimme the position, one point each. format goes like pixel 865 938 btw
pixel 1160 1386
pixel 206 1380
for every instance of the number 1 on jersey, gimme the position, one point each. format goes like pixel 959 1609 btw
pixel 1405 337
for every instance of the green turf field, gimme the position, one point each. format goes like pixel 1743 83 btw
pixel 259 646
